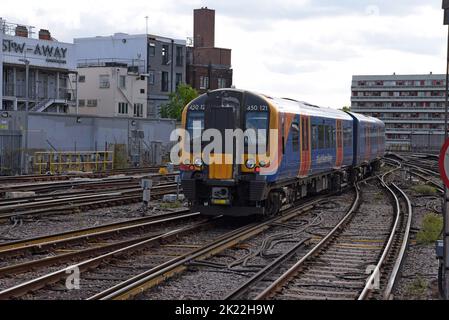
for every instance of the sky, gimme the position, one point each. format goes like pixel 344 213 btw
pixel 302 49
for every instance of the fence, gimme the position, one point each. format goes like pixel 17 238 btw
pixel 62 162
pixel 10 152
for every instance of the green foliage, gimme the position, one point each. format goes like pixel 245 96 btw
pixel 171 205
pixel 346 109
pixel 431 228
pixel 418 288
pixel 425 190
pixel 177 101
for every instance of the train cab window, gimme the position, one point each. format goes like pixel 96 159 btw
pixel 195 118
pixel 295 136
pixel 256 120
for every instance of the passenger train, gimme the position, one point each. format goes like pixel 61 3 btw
pixel 316 150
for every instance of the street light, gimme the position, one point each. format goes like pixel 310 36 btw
pixel 446 191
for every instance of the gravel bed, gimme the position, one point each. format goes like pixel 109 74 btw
pixel 204 282
pixel 419 273
pixel 31 227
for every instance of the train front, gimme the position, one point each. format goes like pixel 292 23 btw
pixel 220 167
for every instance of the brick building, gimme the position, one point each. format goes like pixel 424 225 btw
pixel 208 67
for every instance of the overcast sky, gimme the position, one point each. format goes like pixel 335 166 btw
pixel 302 49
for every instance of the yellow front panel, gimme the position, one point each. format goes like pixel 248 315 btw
pixel 221 170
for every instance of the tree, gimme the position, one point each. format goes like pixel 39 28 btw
pixel 346 109
pixel 177 101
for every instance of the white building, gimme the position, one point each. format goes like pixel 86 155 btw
pixel 161 59
pixel 111 90
pixel 35 71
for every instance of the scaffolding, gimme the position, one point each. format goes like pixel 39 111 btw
pixel 63 162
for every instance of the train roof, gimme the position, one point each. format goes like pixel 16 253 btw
pixel 364 118
pixel 304 108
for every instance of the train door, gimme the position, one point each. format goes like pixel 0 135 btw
pixel 293 141
pixel 306 152
pixel 221 119
pixel 339 160
pixel 367 142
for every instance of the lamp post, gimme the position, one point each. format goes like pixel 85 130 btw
pixel 446 191
pixel 27 101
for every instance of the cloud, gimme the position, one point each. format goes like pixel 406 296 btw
pixel 303 49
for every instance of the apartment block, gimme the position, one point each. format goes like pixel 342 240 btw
pixel 412 107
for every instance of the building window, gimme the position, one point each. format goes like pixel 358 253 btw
pixel 82 79
pixel 221 83
pixel 164 82
pixel 92 103
pixel 123 108
pixel 81 103
pixel 179 57
pixel 165 55
pixel 151 77
pixel 138 110
pixel 152 50
pixel 122 82
pixel 204 82
pixel 104 81
pixel 178 79
pixel 142 91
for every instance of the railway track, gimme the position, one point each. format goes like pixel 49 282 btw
pixel 170 254
pixel 336 266
pixel 62 248
pixel 78 201
pixel 60 177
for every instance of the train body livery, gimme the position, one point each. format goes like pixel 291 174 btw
pixel 315 150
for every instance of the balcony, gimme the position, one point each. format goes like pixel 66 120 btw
pixel 396 110
pixel 413 120
pixel 404 98
pixel 396 88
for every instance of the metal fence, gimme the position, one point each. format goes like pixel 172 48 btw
pixel 10 152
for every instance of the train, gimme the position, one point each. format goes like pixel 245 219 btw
pixel 308 150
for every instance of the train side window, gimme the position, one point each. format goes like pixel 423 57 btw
pixel 314 137
pixel 321 137
pixel 295 136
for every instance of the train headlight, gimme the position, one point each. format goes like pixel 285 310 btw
pixel 262 164
pixel 187 162
pixel 198 162
pixel 250 163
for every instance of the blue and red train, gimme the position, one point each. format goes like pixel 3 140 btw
pixel 316 150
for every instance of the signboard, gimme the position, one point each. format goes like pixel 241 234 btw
pixel 444 163
pixel 39 52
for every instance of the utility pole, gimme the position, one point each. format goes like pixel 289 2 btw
pixel 446 191
pixel 27 102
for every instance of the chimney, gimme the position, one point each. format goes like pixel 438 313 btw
pixel 21 31
pixel 204 28
pixel 44 34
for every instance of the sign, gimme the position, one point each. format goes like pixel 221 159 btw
pixel 55 54
pixel 40 53
pixel 444 163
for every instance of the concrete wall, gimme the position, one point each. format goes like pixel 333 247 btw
pixel 64 133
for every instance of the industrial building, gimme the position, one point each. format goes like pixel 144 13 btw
pixel 36 69
pixel 111 89
pixel 412 107
pixel 161 60
pixel 208 67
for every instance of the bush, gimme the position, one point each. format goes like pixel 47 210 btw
pixel 431 229
pixel 425 189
